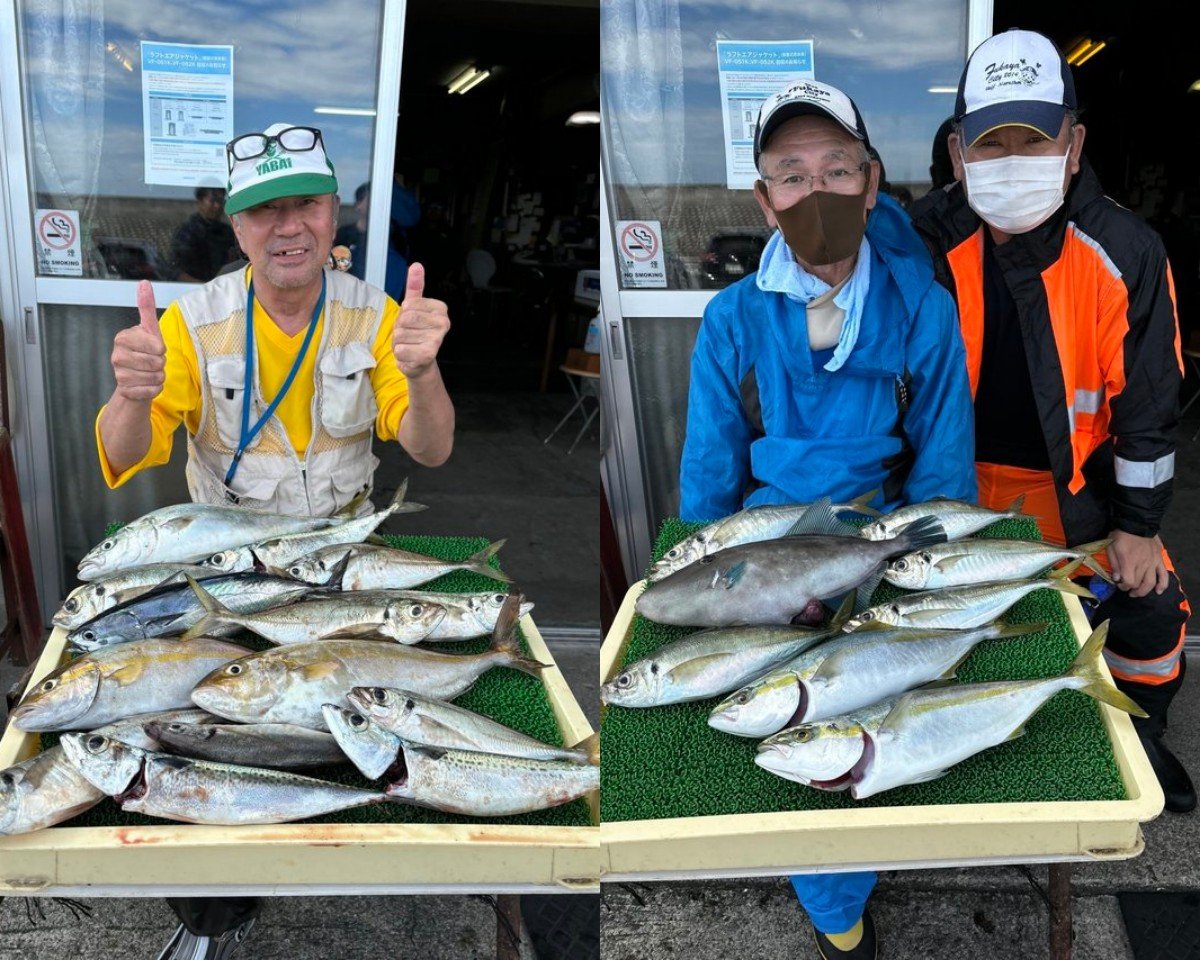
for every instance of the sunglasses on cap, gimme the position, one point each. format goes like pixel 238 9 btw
pixel 292 139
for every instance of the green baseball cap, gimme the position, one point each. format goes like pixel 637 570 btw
pixel 282 161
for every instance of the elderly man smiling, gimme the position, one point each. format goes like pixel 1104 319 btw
pixel 279 371
pixel 836 370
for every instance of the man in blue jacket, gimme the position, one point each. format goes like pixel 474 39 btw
pixel 835 370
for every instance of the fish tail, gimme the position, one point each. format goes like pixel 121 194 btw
pixel 1069 570
pixel 862 504
pixel 400 505
pixel 920 533
pixel 589 745
pixel 1069 586
pixel 505 642
pixel 1091 562
pixel 215 613
pixel 1090 679
pixel 478 562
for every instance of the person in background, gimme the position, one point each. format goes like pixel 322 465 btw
pixel 836 369
pixel 405 214
pixel 1067 309
pixel 204 243
pixel 941 170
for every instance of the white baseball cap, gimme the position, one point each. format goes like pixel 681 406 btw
pixel 283 161
pixel 1014 78
pixel 802 98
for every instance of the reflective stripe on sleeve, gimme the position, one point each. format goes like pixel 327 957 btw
pixel 1145 671
pixel 1089 401
pixel 1145 474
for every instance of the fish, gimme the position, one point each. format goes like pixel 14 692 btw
pixel 188 533
pixel 390 616
pixel 712 662
pixel 920 735
pixel 43 791
pixel 375 567
pixel 964 562
pixel 173 609
pixel 89 600
pixel 118 682
pixel 132 731
pixel 276 553
pixel 958 608
pixel 196 791
pixel 852 672
pixel 288 684
pixel 752 525
pixel 436 723
pixel 279 746
pixel 958 517
pixel 779 581
pixel 468 615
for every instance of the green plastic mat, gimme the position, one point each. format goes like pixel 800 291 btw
pixel 664 762
pixel 512 698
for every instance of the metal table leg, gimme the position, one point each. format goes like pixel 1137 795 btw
pixel 1060 911
pixel 508 926
pixel 579 397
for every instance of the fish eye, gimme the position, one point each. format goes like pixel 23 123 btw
pixel 49 685
pixel 233 669
pixel 379 695
pixel 108 544
pixel 409 705
pixel 674 552
pixel 175 727
pixel 901 565
pixel 89 634
pixel 803 735
pixel 7 779
pixel 95 743
pixel 624 680
pixel 71 605
pixel 416 610
pixel 357 721
pixel 742 698
pixel 217 558
pixel 295 571
pixel 499 598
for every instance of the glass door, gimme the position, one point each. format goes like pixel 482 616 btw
pixel 115 114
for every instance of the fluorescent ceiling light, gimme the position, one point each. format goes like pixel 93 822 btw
pixel 943 89
pixel 1096 48
pixel 1195 87
pixel 467 80
pixel 583 118
pixel 1084 50
pixel 345 111
pixel 475 81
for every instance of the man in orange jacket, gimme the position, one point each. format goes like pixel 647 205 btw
pixel 1067 310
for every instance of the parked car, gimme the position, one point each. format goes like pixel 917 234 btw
pixel 730 256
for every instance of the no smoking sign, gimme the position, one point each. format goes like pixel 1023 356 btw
pixel 58 243
pixel 639 246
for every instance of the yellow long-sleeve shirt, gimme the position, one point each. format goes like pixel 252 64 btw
pixel 274 354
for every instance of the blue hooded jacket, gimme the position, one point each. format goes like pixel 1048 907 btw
pixel 765 425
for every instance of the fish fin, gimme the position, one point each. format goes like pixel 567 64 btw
pixel 504 638
pixel 478 562
pixel 127 674
pixel 862 505
pixel 1016 734
pixel 867 589
pixel 334 580
pixel 318 671
pixel 844 612
pixel 400 505
pixel 1005 631
pixel 1017 507
pixel 1069 586
pixel 376 540
pixel 1094 565
pixel 872 625
pixel 926 777
pixel 920 533
pixel 730 577
pixel 178 524
pixel 1085 669
pixel 689 668
pixel 820 520
pixel 215 614
pixel 589 745
pixel 949 563
pixel 351 508
pixel 1067 571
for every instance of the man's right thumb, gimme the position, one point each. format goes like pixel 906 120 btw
pixel 147 312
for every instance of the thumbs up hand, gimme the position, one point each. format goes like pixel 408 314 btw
pixel 139 356
pixel 420 328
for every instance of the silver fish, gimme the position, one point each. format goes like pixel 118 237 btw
pixel 279 746
pixel 289 684
pixel 374 567
pixel 196 791
pixel 958 608
pixel 187 533
pixel 89 600
pixel 276 553
pixel 436 723
pixel 118 682
pixel 778 581
pixel 964 562
pixel 131 731
pixel 918 736
pixel 712 662
pixel 849 673
pixel 393 616
pixel 958 518
pixel 752 525
pixel 42 791
pixel 468 615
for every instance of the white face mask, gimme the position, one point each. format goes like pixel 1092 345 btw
pixel 1014 194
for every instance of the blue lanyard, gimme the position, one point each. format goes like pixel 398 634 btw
pixel 248 434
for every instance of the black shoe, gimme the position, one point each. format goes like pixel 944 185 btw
pixel 1176 784
pixel 867 948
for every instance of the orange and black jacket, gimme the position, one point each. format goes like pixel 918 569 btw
pixel 1096 306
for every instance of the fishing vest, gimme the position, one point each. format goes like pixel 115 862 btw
pixel 338 464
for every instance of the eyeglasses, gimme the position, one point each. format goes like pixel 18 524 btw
pixel 839 180
pixel 292 139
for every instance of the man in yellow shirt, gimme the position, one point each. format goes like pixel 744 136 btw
pixel 279 411
pixel 279 372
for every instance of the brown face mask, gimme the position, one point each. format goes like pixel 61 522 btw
pixel 823 227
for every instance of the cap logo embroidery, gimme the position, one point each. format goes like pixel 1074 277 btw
pixel 1010 74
